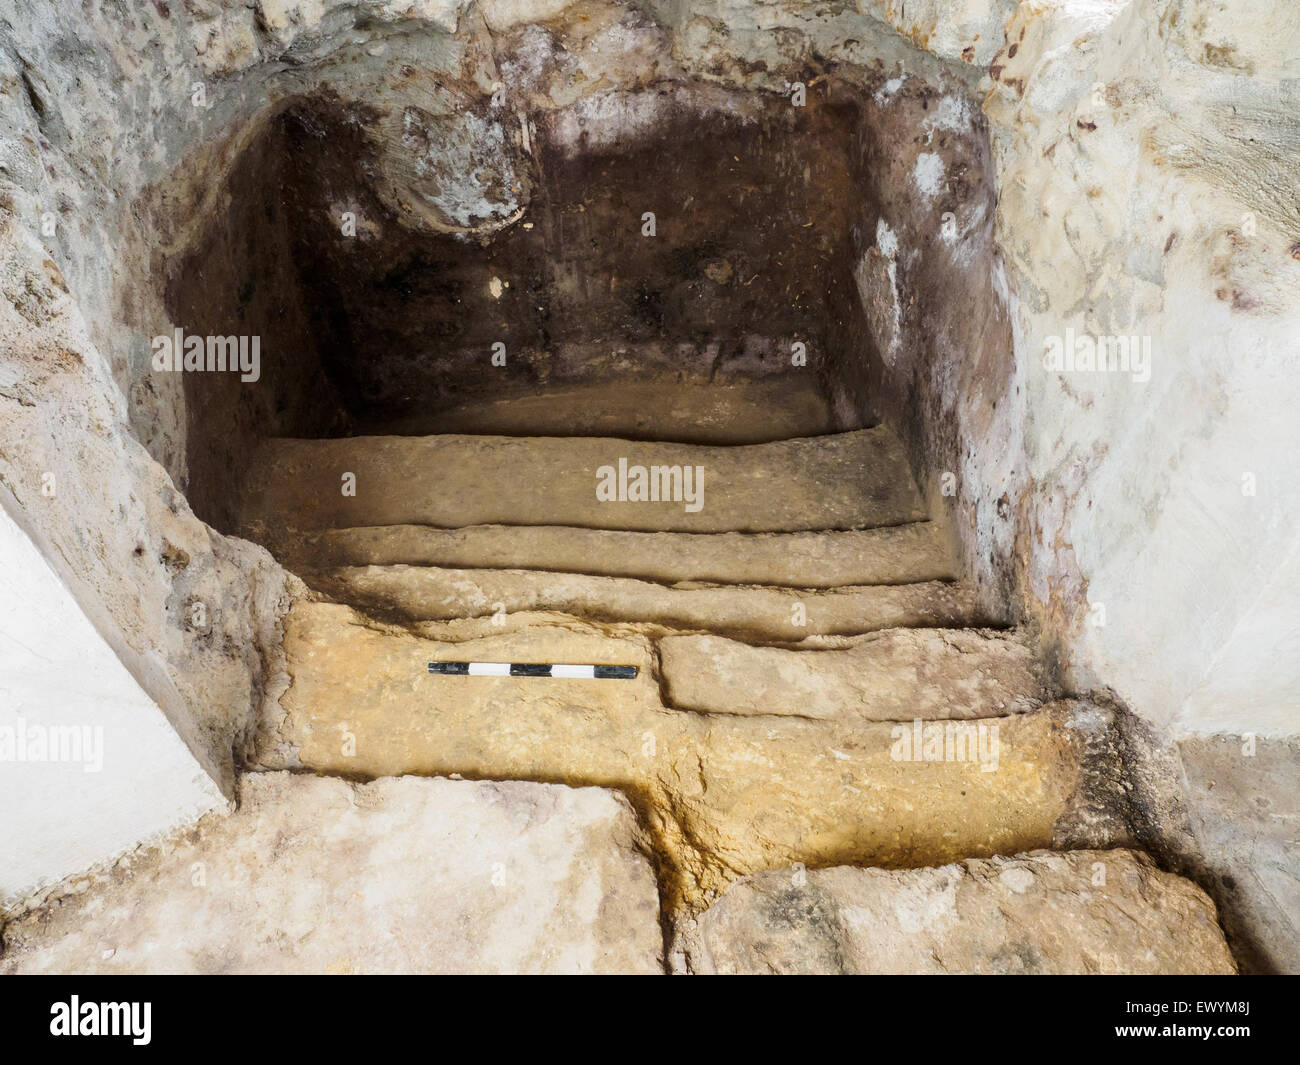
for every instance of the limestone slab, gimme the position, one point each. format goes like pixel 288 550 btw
pixel 895 675
pixel 845 481
pixel 895 554
pixel 741 411
pixel 422 593
pixel 722 795
pixel 406 875
pixel 1244 806
pixel 1093 912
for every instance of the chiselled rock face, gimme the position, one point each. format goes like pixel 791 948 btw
pixel 1002 916
pixel 746 487
pixel 569 895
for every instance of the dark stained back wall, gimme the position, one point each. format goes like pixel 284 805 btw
pixel 240 278
pixel 474 228
pixel 751 213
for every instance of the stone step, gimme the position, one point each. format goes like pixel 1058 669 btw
pixel 407 875
pixel 721 794
pixel 847 481
pixel 424 593
pixel 740 411
pixel 1110 912
pixel 896 554
pixel 895 675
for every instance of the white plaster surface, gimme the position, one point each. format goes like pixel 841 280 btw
pixel 56 672
pixel 1143 162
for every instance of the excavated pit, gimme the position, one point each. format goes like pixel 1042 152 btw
pixel 703 274
pixel 412 272
pixel 374 322
pixel 433 221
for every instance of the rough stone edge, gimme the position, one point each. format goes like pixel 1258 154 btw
pixel 1161 819
pixel 629 833
pixel 687 941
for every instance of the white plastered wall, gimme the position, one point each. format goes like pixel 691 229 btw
pixel 125 778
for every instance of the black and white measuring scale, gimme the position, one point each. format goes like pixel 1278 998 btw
pixel 531 669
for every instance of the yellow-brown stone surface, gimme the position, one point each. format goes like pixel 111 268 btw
pixel 722 795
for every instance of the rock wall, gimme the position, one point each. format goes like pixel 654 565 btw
pixel 1147 167
pixel 189 614
pixel 1147 171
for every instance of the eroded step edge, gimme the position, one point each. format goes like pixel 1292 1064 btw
pixel 419 593
pixel 894 675
pixel 742 411
pixel 846 481
pixel 898 554
pixel 722 795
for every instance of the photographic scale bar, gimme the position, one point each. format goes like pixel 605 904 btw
pixel 529 669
